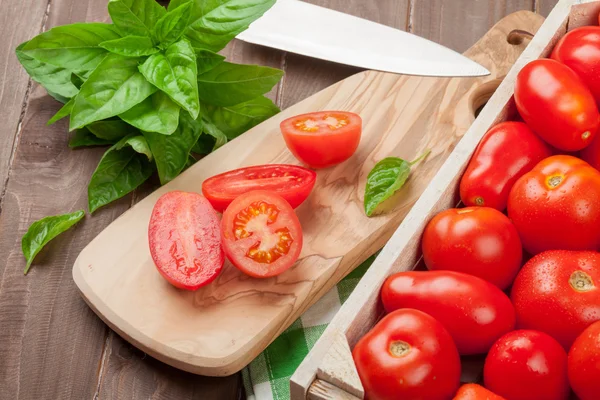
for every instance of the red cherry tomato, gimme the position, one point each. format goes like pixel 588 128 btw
pixel 557 206
pixel 185 240
pixel 291 182
pixel 475 312
pixel 322 139
pixel 480 241
pixel 556 104
pixel 584 363
pixel 472 391
pixel 579 50
pixel 527 365
pixel 558 292
pixel 505 153
pixel 407 355
pixel 262 236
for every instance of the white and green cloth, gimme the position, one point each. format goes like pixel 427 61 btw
pixel 268 376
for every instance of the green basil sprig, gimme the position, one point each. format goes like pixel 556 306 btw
pixel 386 177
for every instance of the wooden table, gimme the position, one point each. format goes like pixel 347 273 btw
pixel 52 346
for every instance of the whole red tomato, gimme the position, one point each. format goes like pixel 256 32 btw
pixel 480 241
pixel 584 363
pixel 407 355
pixel 558 292
pixel 472 391
pixel 556 104
pixel 557 206
pixel 579 50
pixel 527 365
pixel 475 312
pixel 505 153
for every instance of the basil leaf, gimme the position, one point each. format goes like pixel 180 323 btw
pixel 230 84
pixel 191 161
pixel 83 138
pixel 74 47
pixel 158 113
pixel 171 152
pixel 112 129
pixel 43 231
pixel 64 111
pixel 135 17
pixel 215 22
pixel 235 120
pixel 130 46
pixel 210 129
pixel 138 143
pixel 204 145
pixel 174 72
pixel 207 60
pixel 113 88
pixel 121 170
pixel 171 26
pixel 386 177
pixel 56 80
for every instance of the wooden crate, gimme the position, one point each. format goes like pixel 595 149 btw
pixel 328 371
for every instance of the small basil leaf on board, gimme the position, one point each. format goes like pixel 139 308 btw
pixel 171 26
pixel 111 129
pixel 207 60
pixel 171 152
pixel 210 129
pixel 56 80
pixel 158 113
pixel 135 17
pixel 229 84
pixel 43 231
pixel 130 46
pixel 83 138
pixel 175 73
pixel 216 22
pixel 113 88
pixel 386 177
pixel 118 173
pixel 64 111
pixel 235 120
pixel 75 47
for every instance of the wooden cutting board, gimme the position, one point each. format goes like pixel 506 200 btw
pixel 220 328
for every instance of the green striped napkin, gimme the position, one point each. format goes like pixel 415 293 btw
pixel 268 376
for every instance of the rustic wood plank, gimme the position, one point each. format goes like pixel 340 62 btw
pixel 306 76
pixel 19 21
pixel 544 6
pixel 460 23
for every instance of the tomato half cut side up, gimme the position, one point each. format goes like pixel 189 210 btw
pixel 261 233
pixel 322 139
pixel 185 240
pixel 292 182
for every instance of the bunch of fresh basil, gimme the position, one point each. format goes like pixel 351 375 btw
pixel 151 86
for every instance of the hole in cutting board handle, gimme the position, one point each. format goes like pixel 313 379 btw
pixel 518 36
pixel 482 94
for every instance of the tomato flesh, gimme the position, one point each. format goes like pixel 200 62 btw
pixel 322 139
pixel 261 234
pixel 292 182
pixel 185 240
pixel 472 391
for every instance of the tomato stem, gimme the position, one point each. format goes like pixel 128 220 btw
pixel 421 157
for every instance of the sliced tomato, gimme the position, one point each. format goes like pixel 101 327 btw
pixel 322 139
pixel 261 233
pixel 291 182
pixel 185 240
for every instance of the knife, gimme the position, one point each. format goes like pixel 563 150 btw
pixel 310 30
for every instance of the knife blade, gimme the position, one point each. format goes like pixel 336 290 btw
pixel 314 31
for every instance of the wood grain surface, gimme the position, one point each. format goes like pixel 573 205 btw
pixel 52 345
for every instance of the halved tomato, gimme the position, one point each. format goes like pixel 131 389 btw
pixel 185 240
pixel 291 182
pixel 261 233
pixel 322 139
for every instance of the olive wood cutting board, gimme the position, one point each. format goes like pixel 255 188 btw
pixel 220 328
